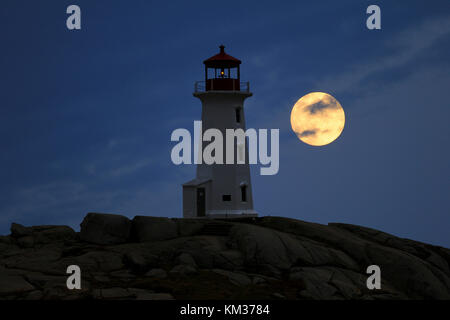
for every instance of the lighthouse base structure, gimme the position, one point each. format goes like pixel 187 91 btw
pixel 197 203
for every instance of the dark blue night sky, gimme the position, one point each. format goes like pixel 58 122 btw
pixel 86 116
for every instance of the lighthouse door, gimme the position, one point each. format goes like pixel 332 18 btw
pixel 201 199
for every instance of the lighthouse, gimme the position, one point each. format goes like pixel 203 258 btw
pixel 221 190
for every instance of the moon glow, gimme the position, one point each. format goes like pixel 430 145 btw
pixel 317 119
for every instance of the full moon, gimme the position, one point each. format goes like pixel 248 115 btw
pixel 317 118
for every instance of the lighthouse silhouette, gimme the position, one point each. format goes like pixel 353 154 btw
pixel 221 190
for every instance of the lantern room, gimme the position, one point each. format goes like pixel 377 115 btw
pixel 222 72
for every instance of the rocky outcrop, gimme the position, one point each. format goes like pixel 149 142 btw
pixel 153 229
pixel 252 258
pixel 105 228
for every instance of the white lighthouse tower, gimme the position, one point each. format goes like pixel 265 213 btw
pixel 221 190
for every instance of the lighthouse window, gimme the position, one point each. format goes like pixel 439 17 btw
pixel 238 115
pixel 243 193
pixel 226 197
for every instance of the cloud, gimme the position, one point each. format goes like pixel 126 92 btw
pixel 307 133
pixel 55 201
pixel 96 188
pixel 406 45
pixel 63 202
pixel 130 168
pixel 118 159
pixel 320 106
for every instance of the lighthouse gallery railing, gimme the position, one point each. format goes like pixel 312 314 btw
pixel 200 86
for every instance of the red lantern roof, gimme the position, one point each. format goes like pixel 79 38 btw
pixel 222 60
